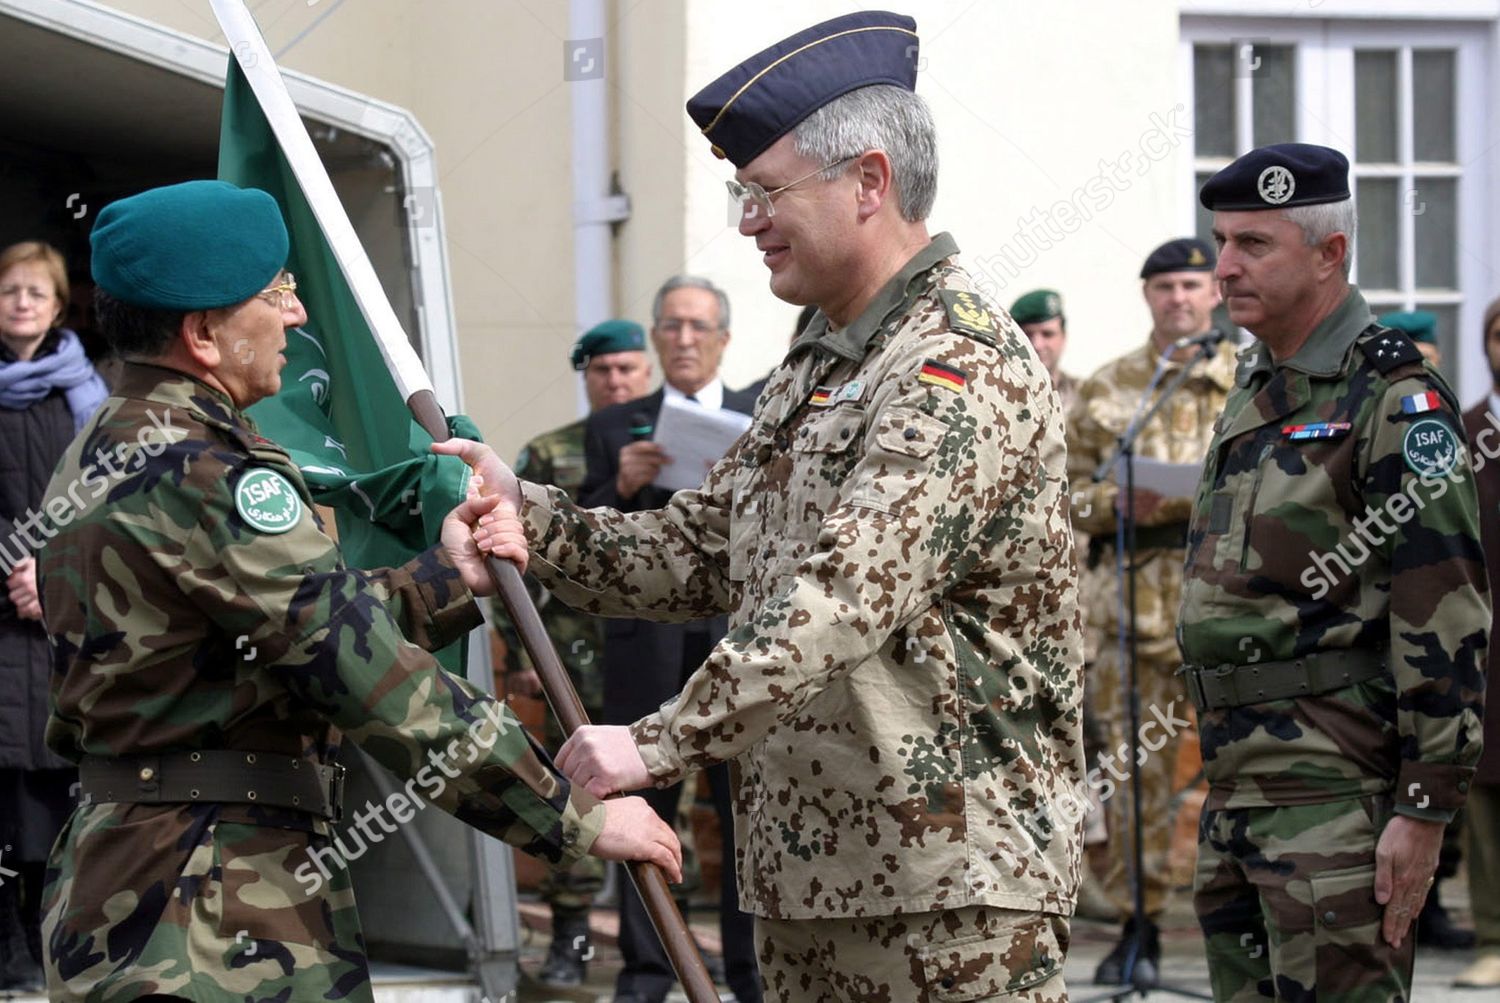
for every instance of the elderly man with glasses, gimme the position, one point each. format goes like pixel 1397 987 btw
pixel 900 687
pixel 211 650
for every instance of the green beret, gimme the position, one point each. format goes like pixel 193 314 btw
pixel 1419 325
pixel 610 336
pixel 1036 306
pixel 194 246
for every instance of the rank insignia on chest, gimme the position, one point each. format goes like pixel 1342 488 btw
pixel 940 374
pixel 1418 403
pixel 1316 430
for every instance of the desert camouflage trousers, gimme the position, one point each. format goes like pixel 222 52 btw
pixel 974 953
pixel 1286 899
pixel 1167 723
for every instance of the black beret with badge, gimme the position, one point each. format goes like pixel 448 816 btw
pixel 765 97
pixel 1278 177
pixel 1185 254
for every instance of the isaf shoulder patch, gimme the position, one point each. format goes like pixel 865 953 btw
pixel 267 501
pixel 970 314
pixel 1390 350
pixel 1430 448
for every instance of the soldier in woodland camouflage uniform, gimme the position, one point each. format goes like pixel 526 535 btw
pixel 899 689
pixel 1181 294
pixel 612 357
pixel 211 650
pixel 1334 614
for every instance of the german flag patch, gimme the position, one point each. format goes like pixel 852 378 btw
pixel 940 374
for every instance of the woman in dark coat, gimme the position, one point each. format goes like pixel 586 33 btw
pixel 47 390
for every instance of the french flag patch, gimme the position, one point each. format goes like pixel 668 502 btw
pixel 1417 403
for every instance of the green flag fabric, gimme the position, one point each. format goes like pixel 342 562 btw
pixel 339 414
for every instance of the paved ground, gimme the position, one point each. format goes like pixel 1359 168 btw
pixel 1183 960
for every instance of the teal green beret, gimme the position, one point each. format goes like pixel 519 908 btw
pixel 1419 325
pixel 609 336
pixel 1036 306
pixel 194 246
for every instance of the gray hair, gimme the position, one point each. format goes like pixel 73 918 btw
pixel 1321 221
pixel 690 282
pixel 880 117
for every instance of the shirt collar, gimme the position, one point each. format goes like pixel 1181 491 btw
pixel 853 342
pixel 1325 350
pixel 177 389
pixel 711 396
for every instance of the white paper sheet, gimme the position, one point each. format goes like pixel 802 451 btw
pixel 695 438
pixel 1170 480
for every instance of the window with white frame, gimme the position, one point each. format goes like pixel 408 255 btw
pixel 1406 102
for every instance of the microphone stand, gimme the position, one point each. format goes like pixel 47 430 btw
pixel 1125 544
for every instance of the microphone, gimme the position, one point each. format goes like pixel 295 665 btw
pixel 641 426
pixel 1208 339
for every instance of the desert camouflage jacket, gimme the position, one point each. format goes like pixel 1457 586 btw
pixel 1337 510
pixel 1179 433
pixel 901 682
pixel 194 603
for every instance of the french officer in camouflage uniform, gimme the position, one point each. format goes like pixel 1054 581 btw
pixel 1335 615
pixel 612 357
pixel 212 650
pixel 899 689
pixel 1178 285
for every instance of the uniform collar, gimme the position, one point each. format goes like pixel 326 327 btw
pixel 1218 368
pixel 177 389
pixel 853 342
pixel 1325 351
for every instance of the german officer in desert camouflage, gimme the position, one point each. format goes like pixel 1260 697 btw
pixel 1334 614
pixel 211 648
pixel 900 686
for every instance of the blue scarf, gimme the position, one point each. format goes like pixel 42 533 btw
pixel 23 383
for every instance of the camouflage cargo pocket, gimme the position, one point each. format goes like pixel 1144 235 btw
pixel 1345 913
pixel 985 967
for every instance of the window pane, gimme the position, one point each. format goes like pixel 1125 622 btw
pixel 1433 103
pixel 1375 107
pixel 1376 200
pixel 1213 101
pixel 1447 334
pixel 1274 94
pixel 1205 221
pixel 1434 208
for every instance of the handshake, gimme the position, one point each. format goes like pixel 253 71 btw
pixel 601 760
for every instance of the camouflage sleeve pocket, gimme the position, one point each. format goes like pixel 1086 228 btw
pixel 909 432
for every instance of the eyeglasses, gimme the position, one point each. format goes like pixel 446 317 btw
pixel 674 324
pixel 754 199
pixel 280 295
pixel 19 292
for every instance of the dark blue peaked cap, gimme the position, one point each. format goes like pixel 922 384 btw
pixel 765 97
pixel 1279 177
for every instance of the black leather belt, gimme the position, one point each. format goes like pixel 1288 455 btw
pixel 1219 686
pixel 217 775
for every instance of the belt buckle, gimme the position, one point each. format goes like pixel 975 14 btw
pixel 336 793
pixel 1192 678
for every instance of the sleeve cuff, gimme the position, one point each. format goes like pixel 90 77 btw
pixel 1432 791
pixel 582 821
pixel 658 750
pixel 451 609
pixel 536 513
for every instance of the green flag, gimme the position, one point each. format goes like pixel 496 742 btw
pixel 339 413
